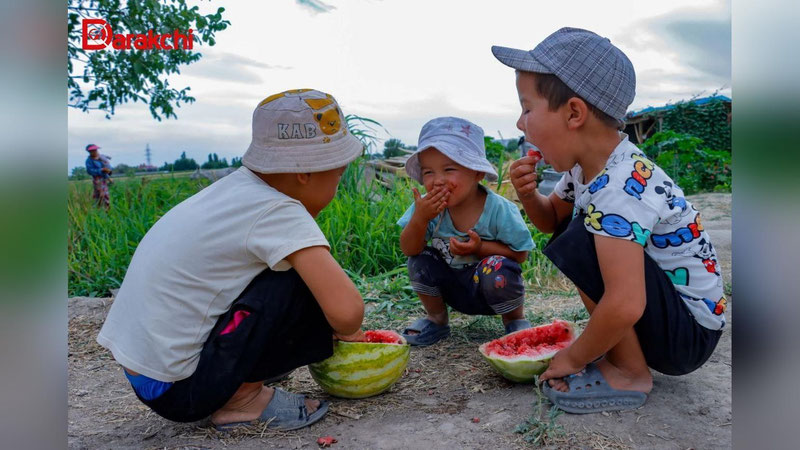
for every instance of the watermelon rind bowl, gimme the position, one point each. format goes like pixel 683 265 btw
pixel 523 368
pixel 361 369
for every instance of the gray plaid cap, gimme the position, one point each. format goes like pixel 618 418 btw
pixel 458 139
pixel 588 64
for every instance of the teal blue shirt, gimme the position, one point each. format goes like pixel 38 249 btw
pixel 500 221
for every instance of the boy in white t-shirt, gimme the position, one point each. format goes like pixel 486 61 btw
pixel 622 231
pixel 236 284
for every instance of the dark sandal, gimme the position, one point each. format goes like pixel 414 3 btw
pixel 429 332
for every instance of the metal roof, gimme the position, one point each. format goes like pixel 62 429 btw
pixel 697 101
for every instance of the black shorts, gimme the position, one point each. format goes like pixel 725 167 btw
pixel 492 286
pixel 280 327
pixel 673 342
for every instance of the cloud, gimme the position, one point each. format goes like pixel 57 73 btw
pixel 705 44
pixel 229 67
pixel 691 39
pixel 315 6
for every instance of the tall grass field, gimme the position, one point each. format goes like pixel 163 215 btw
pixel 360 224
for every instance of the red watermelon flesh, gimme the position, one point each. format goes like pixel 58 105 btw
pixel 524 354
pixel 533 341
pixel 383 337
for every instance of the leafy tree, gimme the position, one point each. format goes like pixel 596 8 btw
pixel 214 162
pixel 79 173
pixel 168 167
pixel 124 168
pixel 236 162
pixel 103 79
pixel 184 163
pixel 392 148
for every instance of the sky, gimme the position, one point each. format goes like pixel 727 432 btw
pixel 402 63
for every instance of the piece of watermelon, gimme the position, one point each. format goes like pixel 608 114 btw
pixel 363 369
pixel 522 355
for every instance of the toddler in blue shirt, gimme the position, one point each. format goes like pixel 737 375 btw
pixel 478 239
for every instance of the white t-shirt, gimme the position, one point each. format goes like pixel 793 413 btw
pixel 633 199
pixel 193 263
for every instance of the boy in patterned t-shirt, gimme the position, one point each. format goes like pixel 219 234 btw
pixel 622 230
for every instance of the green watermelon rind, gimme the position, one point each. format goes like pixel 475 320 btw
pixel 523 369
pixel 361 369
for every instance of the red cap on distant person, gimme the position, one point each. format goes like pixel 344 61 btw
pixel 91 147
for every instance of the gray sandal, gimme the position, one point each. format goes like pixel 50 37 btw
pixel 516 325
pixel 286 411
pixel 590 393
pixel 428 332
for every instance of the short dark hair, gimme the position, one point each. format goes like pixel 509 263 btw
pixel 557 93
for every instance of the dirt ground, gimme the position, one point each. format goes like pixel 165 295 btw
pixel 433 405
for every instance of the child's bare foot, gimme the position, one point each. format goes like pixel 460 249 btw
pixel 641 381
pixel 248 403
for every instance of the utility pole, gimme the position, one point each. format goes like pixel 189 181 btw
pixel 147 154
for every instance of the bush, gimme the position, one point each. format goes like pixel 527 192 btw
pixel 708 122
pixel 692 166
pixel 79 173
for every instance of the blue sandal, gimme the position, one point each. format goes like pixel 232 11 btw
pixel 286 411
pixel 589 392
pixel 429 332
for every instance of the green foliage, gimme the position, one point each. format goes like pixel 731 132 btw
pixel 360 223
pixel 236 162
pixel 692 166
pixel 124 168
pixel 708 122
pixel 363 129
pixel 540 426
pixel 214 162
pixel 392 147
pixel 79 173
pixel 512 146
pixel 100 244
pixel 494 150
pixel 103 79
pixel 184 163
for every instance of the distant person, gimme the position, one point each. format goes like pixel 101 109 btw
pixel 623 232
pixel 464 242
pixel 236 284
pixel 99 168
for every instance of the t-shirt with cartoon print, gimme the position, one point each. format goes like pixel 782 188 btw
pixel 632 198
pixel 500 221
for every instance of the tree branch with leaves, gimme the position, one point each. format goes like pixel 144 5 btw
pixel 107 78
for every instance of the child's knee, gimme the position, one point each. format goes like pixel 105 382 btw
pixel 425 267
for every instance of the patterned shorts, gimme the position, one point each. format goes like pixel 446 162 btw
pixel 493 286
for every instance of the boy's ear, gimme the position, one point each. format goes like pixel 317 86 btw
pixel 303 178
pixel 577 112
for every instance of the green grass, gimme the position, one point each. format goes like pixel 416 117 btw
pixel 101 244
pixel 540 427
pixel 360 224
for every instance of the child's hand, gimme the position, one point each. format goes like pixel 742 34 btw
pixel 358 336
pixel 432 204
pixel 471 247
pixel 523 175
pixel 561 365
